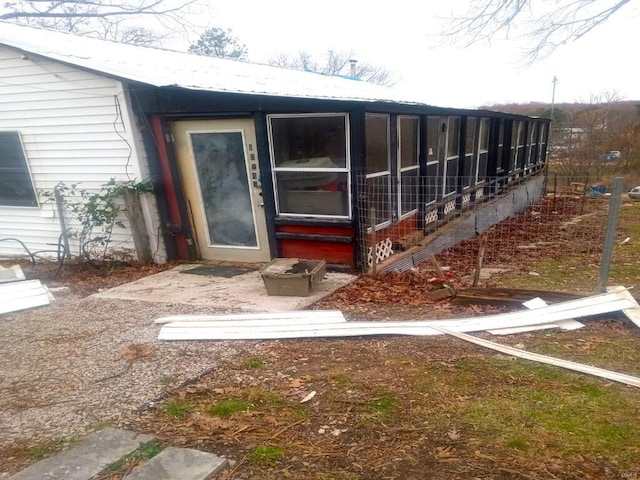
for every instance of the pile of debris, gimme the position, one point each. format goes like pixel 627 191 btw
pixel 330 323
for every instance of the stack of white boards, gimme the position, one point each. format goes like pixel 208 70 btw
pixel 314 324
pixel 310 324
pixel 16 293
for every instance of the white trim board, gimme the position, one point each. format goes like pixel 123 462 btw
pixel 12 274
pixel 278 318
pixel 558 362
pixel 632 313
pixel 537 302
pixel 602 303
pixel 23 295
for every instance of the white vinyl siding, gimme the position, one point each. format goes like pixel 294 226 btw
pixel 75 128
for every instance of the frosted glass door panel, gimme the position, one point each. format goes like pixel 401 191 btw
pixel 224 185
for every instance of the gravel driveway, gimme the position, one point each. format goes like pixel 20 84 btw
pixel 67 368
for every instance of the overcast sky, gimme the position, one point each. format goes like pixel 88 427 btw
pixel 403 37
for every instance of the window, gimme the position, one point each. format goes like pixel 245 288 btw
pixel 408 167
pixel 310 162
pixel 470 150
pixel 483 151
pixel 543 143
pixel 433 132
pixel 377 166
pixel 16 186
pixel 450 176
pixel 533 142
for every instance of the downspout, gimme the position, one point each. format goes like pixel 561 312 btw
pixel 176 225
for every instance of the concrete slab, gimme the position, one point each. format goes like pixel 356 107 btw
pixel 179 464
pixel 87 458
pixel 244 292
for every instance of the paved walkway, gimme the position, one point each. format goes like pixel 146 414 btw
pixel 100 449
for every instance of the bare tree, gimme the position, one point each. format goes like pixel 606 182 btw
pixel 110 19
pixel 547 24
pixel 335 63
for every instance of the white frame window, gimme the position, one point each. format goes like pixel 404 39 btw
pixel 482 148
pixel 517 142
pixel 318 170
pixel 452 153
pixel 534 133
pixel 16 182
pixel 434 127
pixel 380 175
pixel 542 141
pixel 408 162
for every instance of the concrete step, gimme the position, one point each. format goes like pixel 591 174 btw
pixel 179 464
pixel 87 458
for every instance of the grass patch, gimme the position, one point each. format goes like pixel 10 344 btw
pixel 178 408
pixel 253 362
pixel 573 415
pixel 146 451
pixel 343 381
pixel 382 407
pixel 266 454
pixel 225 408
pixel 38 452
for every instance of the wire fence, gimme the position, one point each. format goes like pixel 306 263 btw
pixel 508 222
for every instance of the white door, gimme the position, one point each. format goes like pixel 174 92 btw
pixel 220 175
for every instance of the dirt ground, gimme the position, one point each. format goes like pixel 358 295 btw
pixel 412 408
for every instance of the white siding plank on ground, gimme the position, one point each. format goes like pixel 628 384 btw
pixel 71 127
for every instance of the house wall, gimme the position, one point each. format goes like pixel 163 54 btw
pixel 75 128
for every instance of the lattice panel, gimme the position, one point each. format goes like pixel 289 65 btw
pixel 431 217
pixel 466 199
pixel 449 207
pixel 384 250
pixel 479 193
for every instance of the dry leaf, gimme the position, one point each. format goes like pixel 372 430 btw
pixel 296 383
pixel 446 454
pixel 308 397
pixel 136 350
pixel 453 434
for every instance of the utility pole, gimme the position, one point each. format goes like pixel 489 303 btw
pixel 553 96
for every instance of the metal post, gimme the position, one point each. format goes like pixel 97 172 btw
pixel 374 240
pixel 610 235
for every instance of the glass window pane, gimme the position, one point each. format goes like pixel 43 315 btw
pixel 484 134
pixel 453 137
pixel 299 140
pixel 16 188
pixel 433 129
pixel 378 194
pixel 452 176
pixel 432 183
pixel 409 191
pixel 471 135
pixel 313 193
pixel 377 143
pixel 409 131
pixel 222 174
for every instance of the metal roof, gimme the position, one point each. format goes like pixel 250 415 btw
pixel 164 68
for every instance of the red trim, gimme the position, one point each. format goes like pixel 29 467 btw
pixel 317 230
pixel 157 125
pixel 338 253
